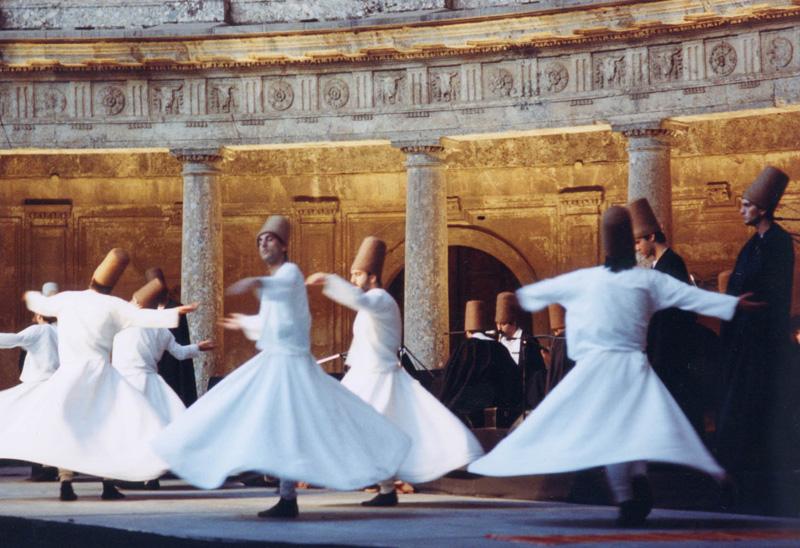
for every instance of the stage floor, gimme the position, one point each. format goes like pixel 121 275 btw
pixel 180 516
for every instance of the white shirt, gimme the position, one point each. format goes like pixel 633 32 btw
pixel 377 328
pixel 138 349
pixel 40 341
pixel 513 344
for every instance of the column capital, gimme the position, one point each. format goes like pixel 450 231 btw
pixel 197 155
pixel 419 146
pixel 652 130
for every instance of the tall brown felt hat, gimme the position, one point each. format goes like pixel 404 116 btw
pixel 722 280
pixel 617 233
pixel 643 219
pixel 149 295
pixel 370 256
pixel 474 316
pixel 277 225
pixel 767 189
pixel 557 315
pixel 110 270
pixel 507 308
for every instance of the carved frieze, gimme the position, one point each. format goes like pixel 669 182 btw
pixel 335 93
pixel 718 194
pixel 280 95
pixel 50 102
pixel 388 87
pixel 722 58
pixel 555 77
pixel 609 70
pixel 445 83
pixel 222 96
pixel 501 82
pixel 666 63
pixel 111 99
pixel 166 97
pixel 778 50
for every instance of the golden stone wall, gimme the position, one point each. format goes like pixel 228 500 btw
pixel 532 201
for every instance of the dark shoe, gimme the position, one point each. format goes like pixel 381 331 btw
pixel 634 512
pixel 382 499
pixel 152 485
pixel 286 508
pixel 728 494
pixel 67 493
pixel 110 492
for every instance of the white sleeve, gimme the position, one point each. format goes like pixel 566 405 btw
pixel 23 339
pixel 672 293
pixel 537 296
pixel 46 306
pixel 281 285
pixel 343 292
pixel 180 351
pixel 145 317
pixel 252 326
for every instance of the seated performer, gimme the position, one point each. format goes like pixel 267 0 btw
pixel 480 374
pixel 611 410
pixel 560 364
pixel 86 417
pixel 439 442
pixel 279 413
pixel 178 373
pixel 524 349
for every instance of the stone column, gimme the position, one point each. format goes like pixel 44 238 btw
pixel 426 311
pixel 649 170
pixel 201 255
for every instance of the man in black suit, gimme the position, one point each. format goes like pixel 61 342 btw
pixel 670 336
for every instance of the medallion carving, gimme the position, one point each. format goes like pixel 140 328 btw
pixel 280 95
pixel 221 99
pixel 51 102
pixel 501 83
pixel 166 97
pixel 779 52
pixel 555 77
pixel 666 64
pixel 387 88
pixel 335 93
pixel 609 71
pixel 444 86
pixel 723 59
pixel 113 100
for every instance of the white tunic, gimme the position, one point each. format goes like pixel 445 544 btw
pixel 136 353
pixel 439 441
pixel 280 413
pixel 85 417
pixel 612 407
pixel 40 341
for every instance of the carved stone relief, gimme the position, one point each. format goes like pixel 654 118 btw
pixel 280 95
pixel 501 82
pixel 388 87
pixel 609 70
pixel 444 85
pixel 555 77
pixel 335 93
pixel 222 97
pixel 666 63
pixel 722 59
pixel 718 193
pixel 112 99
pixel 779 52
pixel 50 101
pixel 166 97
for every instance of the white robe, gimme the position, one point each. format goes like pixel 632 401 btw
pixel 136 353
pixel 280 413
pixel 612 407
pixel 85 417
pixel 40 341
pixel 439 441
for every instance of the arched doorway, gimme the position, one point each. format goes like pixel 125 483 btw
pixel 472 274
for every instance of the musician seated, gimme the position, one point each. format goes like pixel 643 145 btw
pixel 480 374
pixel 523 348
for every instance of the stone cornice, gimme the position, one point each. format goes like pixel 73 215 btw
pixel 514 33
